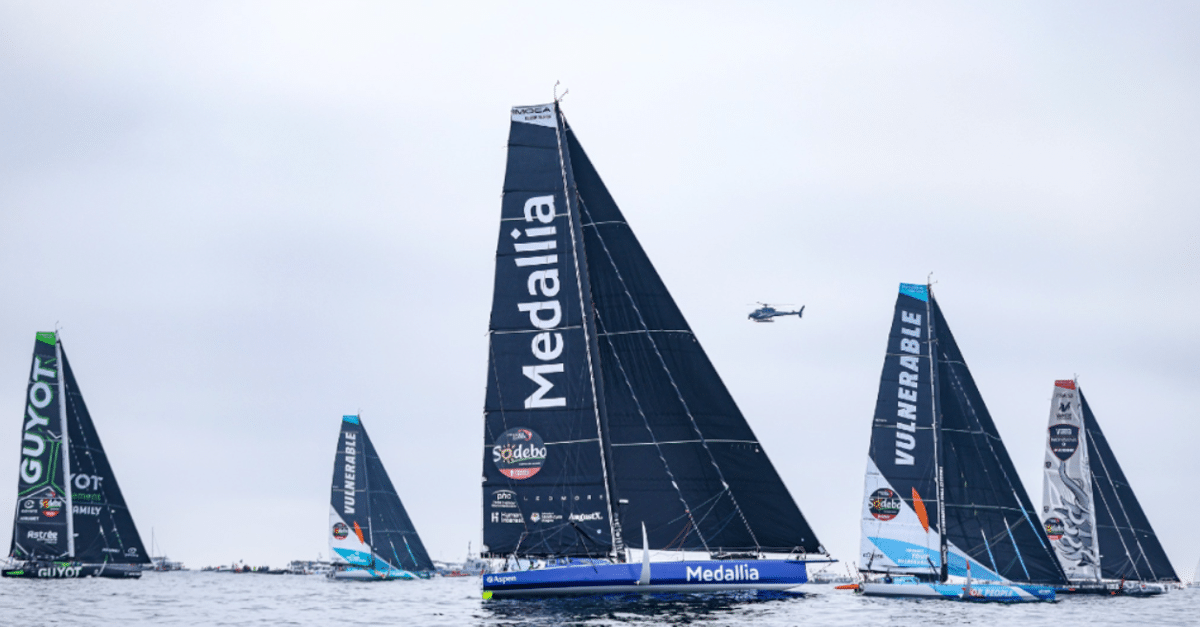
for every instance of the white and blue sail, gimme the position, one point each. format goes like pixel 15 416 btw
pixel 942 498
pixel 71 519
pixel 602 409
pixel 370 533
pixel 1090 512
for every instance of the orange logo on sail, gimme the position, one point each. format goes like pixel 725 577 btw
pixel 919 507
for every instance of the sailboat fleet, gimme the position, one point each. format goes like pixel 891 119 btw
pixel 608 434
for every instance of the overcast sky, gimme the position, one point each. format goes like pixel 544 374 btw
pixel 251 218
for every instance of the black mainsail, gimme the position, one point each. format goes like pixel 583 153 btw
pixel 369 526
pixel 941 491
pixel 1129 548
pixel 602 408
pixel 69 507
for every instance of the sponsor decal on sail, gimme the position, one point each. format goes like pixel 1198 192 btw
pixel 341 531
pixel 37 432
pixel 884 504
pixel 349 470
pixel 906 412
pixel 1055 529
pixel 542 261
pixel 45 537
pixel 519 453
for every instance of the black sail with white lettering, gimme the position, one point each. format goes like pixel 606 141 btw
pixel 1129 548
pixel 104 528
pixel 602 408
pixel 942 495
pixel 901 503
pixel 368 523
pixel 683 459
pixel 544 486
pixel 989 517
pixel 40 525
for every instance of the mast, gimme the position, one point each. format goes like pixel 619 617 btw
pixel 367 492
pixel 589 335
pixel 66 447
pixel 938 456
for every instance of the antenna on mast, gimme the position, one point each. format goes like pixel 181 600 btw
pixel 558 98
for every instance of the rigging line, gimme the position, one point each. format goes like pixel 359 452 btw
pixel 1018 549
pixel 1116 525
pixel 678 393
pixel 991 557
pixel 1050 554
pixel 646 421
pixel 613 526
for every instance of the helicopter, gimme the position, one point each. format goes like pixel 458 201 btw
pixel 767 313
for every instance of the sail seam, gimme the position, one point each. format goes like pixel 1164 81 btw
pixel 607 333
pixel 656 442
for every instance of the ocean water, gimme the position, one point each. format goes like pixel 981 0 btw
pixel 200 598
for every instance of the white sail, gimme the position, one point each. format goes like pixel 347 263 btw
pixel 1068 510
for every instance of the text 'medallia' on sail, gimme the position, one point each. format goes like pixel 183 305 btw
pixel 602 409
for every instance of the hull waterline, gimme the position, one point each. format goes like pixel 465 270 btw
pixel 1003 593
pixel 687 577
pixel 70 570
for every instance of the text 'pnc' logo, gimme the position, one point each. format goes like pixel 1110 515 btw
pixel 519 453
pixel 884 504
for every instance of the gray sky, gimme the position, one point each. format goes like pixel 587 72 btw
pixel 251 218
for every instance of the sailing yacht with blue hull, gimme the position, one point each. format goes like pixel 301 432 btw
pixel 602 410
pixel 371 537
pixel 942 500
pixel 71 519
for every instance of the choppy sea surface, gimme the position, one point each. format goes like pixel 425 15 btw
pixel 202 598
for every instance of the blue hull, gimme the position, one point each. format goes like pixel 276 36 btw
pixel 689 576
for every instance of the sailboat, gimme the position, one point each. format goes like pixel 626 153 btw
pixel 943 502
pixel 371 537
pixel 1095 523
pixel 604 415
pixel 71 520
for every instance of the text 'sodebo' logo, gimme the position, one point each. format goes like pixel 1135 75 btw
pixel 519 453
pixel 341 531
pixel 1055 529
pixel 884 504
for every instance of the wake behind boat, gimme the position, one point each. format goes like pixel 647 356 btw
pixel 371 537
pixel 71 519
pixel 944 512
pixel 603 411
pixel 1094 521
